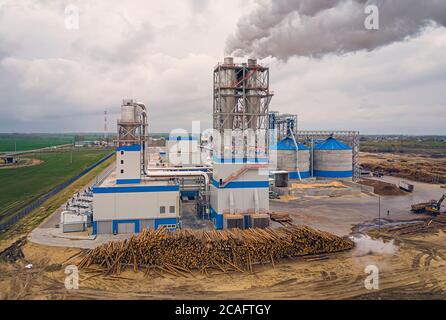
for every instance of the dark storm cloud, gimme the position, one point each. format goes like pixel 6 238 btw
pixel 285 28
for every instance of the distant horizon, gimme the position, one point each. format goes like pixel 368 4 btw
pixel 167 133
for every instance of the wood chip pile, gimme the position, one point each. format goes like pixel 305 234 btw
pixel 181 251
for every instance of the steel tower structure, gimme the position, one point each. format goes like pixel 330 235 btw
pixel 241 103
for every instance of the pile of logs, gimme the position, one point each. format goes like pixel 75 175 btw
pixel 181 251
pixel 283 218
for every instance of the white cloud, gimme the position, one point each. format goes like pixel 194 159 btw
pixel 163 53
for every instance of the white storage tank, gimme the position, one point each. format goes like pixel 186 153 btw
pixel 333 159
pixel 286 158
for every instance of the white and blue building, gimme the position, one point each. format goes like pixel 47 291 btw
pixel 128 201
pixel 238 186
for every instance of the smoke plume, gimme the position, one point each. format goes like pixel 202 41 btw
pixel 365 245
pixel 286 28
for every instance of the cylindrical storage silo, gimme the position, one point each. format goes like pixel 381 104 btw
pixel 303 162
pixel 287 158
pixel 128 113
pixel 228 98
pixel 332 159
pixel 253 95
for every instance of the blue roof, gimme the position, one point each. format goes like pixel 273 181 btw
pixel 331 144
pixel 288 144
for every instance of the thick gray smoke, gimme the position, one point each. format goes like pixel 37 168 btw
pixel 285 28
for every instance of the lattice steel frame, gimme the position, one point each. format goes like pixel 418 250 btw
pixel 352 138
pixel 243 92
pixel 283 123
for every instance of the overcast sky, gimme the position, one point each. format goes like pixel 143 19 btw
pixel 59 79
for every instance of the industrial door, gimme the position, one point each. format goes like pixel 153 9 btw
pixel 126 228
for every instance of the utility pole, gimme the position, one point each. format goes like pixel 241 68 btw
pixel 105 126
pixel 379 213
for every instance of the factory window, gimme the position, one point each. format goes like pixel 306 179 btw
pixel 122 161
pixel 162 209
pixel 122 170
pixel 122 153
pixel 171 209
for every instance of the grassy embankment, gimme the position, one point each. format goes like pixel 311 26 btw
pixel 21 186
pixel 35 218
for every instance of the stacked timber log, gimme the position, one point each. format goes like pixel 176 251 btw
pixel 181 251
pixel 283 218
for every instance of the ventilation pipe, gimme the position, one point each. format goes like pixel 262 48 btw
pixel 297 153
pixel 143 141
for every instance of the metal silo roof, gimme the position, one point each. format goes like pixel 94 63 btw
pixel 332 144
pixel 288 144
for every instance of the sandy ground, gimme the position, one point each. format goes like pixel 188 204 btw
pixel 412 267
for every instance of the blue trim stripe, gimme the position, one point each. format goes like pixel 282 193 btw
pixel 189 194
pixel 127 181
pixel 162 221
pixel 303 175
pixel 133 147
pixel 95 227
pixel 135 189
pixel 242 184
pixel 333 174
pixel 240 160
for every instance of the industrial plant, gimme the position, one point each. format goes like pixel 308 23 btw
pixel 230 175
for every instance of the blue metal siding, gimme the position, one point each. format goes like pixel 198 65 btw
pixel 95 227
pixel 189 194
pixel 217 218
pixel 135 189
pixel 333 174
pixel 127 181
pixel 133 147
pixel 294 175
pixel 162 221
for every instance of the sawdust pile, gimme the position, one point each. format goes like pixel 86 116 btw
pixel 383 188
pixel 178 252
pixel 414 167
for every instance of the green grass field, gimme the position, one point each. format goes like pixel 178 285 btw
pixel 20 186
pixel 21 142
pixel 429 146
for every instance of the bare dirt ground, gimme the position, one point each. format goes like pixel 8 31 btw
pixel 413 268
pixel 423 168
